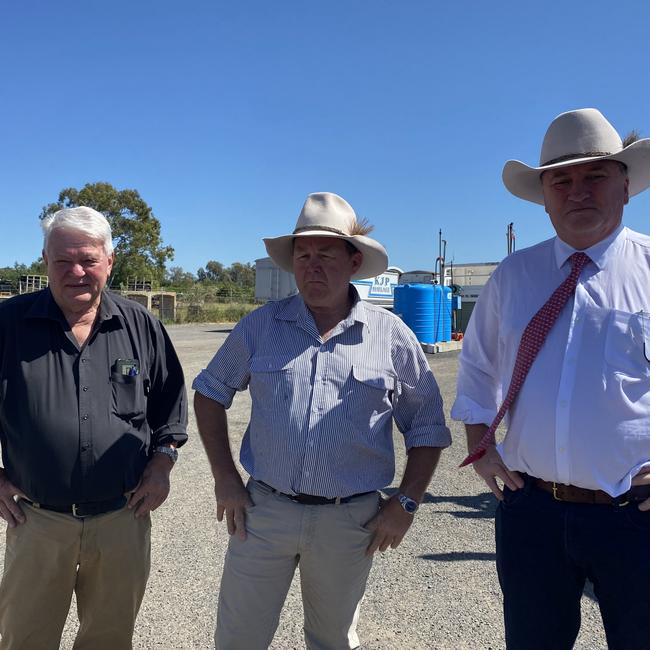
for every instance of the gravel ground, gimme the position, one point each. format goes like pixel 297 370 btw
pixel 438 590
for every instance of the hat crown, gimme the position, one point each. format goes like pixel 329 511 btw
pixel 579 134
pixel 326 211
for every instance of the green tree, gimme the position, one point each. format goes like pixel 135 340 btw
pixel 136 231
pixel 178 278
pixel 242 275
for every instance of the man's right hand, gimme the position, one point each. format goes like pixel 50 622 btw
pixel 232 500
pixel 490 467
pixel 10 511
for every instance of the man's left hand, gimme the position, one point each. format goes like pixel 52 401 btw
pixel 389 526
pixel 153 488
pixel 643 478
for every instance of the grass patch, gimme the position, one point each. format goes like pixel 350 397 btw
pixel 231 312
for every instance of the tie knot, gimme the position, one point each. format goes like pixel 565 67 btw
pixel 579 261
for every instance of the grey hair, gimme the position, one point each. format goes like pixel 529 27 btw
pixel 86 220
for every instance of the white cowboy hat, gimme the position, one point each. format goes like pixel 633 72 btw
pixel 578 137
pixel 328 215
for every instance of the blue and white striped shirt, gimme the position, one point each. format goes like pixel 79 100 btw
pixel 321 418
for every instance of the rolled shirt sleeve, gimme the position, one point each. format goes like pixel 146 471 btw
pixel 167 402
pixel 418 408
pixel 478 388
pixel 228 371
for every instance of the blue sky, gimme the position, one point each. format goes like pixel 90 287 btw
pixel 225 115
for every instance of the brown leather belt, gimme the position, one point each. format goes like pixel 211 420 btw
pixel 575 494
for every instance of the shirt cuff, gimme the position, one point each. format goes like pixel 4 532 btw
pixel 432 436
pixel 209 386
pixel 468 411
pixel 169 433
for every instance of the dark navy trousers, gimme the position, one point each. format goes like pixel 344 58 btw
pixel 546 549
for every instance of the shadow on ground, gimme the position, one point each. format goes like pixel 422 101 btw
pixel 477 506
pixel 459 556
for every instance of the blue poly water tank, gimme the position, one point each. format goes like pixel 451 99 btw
pixel 413 303
pixel 446 309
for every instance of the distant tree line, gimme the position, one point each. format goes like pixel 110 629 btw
pixel 140 252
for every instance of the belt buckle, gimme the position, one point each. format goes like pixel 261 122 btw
pixel 555 496
pixel 74 512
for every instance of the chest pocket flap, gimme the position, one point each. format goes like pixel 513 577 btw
pixel 271 364
pixel 380 379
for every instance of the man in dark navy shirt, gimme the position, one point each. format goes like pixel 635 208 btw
pixel 92 408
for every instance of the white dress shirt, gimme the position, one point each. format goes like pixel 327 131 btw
pixel 583 415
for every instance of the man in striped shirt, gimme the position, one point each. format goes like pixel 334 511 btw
pixel 327 374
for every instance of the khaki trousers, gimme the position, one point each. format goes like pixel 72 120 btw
pixel 327 543
pixel 104 559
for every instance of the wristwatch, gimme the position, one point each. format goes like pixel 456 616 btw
pixel 170 452
pixel 409 505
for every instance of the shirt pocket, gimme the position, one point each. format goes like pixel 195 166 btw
pixel 367 396
pixel 129 402
pixel 627 345
pixel 271 382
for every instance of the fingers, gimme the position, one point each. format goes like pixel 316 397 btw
pixel 11 512
pixel 147 496
pixel 490 467
pixel 236 522
pixel 494 487
pixel 240 523
pixel 150 502
pixel 511 479
pixel 642 478
pixel 375 543
pixel 644 506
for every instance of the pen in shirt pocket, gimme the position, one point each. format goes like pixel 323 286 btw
pixel 127 367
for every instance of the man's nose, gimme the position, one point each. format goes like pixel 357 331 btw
pixel 579 191
pixel 78 270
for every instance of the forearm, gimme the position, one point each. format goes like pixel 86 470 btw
pixel 420 466
pixel 213 430
pixel 475 433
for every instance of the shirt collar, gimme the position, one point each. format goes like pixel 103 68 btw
pixel 45 307
pixel 600 253
pixel 295 310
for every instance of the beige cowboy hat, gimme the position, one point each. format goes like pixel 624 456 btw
pixel 328 215
pixel 578 137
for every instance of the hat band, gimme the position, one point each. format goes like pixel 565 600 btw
pixel 336 230
pixel 573 156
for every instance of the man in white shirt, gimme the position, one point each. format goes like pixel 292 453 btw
pixel 575 461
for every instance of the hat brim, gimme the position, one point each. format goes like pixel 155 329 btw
pixel 375 257
pixel 526 182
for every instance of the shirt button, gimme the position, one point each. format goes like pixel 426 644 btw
pixel 83 361
pixel 85 447
pixel 562 449
pixel 307 473
pixel 563 403
pixel 84 417
pixel 85 388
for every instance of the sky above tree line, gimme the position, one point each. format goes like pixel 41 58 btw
pixel 225 115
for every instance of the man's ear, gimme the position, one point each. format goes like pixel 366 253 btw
pixel 357 261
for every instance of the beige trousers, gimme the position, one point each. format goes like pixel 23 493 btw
pixel 104 559
pixel 326 542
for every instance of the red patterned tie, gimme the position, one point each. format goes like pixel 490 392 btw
pixel 531 342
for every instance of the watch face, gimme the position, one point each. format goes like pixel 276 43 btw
pixel 408 504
